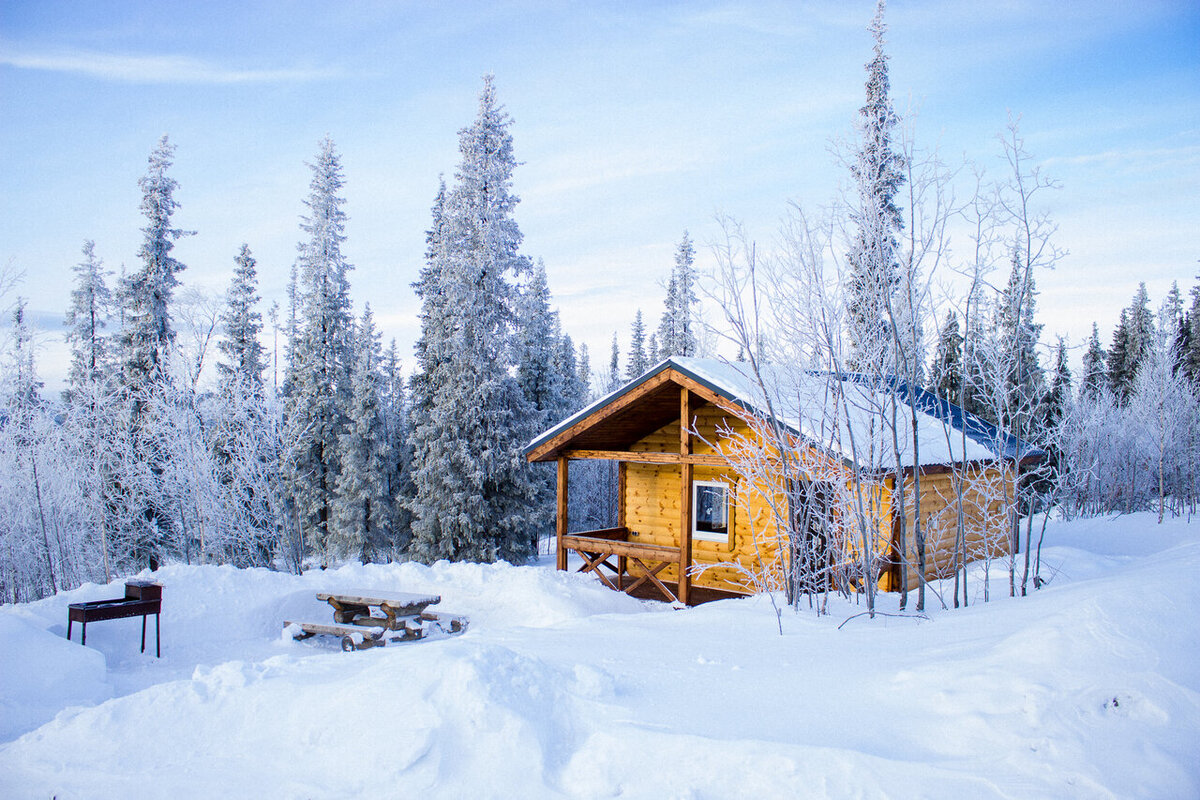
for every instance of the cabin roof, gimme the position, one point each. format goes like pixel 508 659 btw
pixel 807 403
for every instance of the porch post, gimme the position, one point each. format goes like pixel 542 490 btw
pixel 622 562
pixel 560 551
pixel 685 495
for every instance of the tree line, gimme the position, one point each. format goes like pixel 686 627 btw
pixel 333 454
pixel 847 298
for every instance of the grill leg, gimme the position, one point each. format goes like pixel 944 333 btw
pixel 70 622
pixel 143 633
pixel 84 639
pixel 157 644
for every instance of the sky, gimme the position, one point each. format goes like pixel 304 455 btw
pixel 634 122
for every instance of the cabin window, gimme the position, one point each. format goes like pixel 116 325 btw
pixel 710 511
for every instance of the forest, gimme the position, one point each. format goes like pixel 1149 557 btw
pixel 183 436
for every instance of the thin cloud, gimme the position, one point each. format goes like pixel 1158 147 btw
pixel 128 68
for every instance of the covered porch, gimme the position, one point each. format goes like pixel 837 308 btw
pixel 617 429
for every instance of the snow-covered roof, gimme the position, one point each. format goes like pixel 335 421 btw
pixel 841 414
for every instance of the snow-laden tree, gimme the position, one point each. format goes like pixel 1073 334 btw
pixel 613 377
pixel 1094 377
pixel 572 369
pixel 585 373
pixel 946 372
pixel 637 361
pixel 147 339
pixel 1018 336
pixel 538 344
pixel 473 487
pixel 86 319
pixel 320 357
pixel 241 325
pixel 148 334
pixel 397 423
pixel 678 326
pixel 876 219
pixel 1132 341
pixel 1189 347
pixel 363 507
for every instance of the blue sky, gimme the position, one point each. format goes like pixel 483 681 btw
pixel 634 121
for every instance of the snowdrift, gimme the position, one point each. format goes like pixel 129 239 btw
pixel 562 688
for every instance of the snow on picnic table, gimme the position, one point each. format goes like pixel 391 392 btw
pixel 562 688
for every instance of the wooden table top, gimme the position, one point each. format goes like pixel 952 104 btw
pixel 373 597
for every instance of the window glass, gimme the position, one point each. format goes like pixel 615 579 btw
pixel 711 508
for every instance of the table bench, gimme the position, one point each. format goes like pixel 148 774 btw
pixel 366 618
pixel 142 598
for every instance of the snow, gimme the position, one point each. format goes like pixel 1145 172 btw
pixel 803 403
pixel 561 688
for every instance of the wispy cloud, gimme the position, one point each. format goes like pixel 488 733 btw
pixel 133 68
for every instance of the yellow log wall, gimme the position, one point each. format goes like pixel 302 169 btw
pixel 985 528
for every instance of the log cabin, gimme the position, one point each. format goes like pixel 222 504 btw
pixel 720 469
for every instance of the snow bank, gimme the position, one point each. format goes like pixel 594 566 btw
pixel 41 674
pixel 561 688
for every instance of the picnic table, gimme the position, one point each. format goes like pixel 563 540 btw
pixel 366 618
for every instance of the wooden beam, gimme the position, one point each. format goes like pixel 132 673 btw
pixel 560 553
pixel 550 449
pixel 637 457
pixel 616 547
pixel 685 494
pixel 601 414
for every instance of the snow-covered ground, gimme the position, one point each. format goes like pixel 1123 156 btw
pixel 561 688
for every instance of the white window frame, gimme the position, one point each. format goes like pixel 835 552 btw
pixel 712 536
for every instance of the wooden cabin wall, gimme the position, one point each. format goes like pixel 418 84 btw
pixel 652 505
pixel 986 525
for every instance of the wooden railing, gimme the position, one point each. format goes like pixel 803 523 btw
pixel 596 547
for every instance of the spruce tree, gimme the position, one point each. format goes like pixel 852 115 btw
pixel 585 372
pixel 677 329
pixel 1120 376
pixel 1190 349
pixel 320 357
pixel 241 361
pixel 946 375
pixel 1024 379
pixel 1132 342
pixel 878 172
pixel 363 506
pixel 472 485
pixel 147 338
pixel 613 379
pixel 637 362
pixel 397 422
pixel 1059 394
pixel 88 315
pixel 575 389
pixel 1094 378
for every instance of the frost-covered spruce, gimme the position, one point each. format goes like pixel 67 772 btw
pixel 146 339
pixel 878 172
pixel 241 351
pixel 946 373
pixel 363 507
pixel 86 319
pixel 146 294
pixel 1023 377
pixel 544 379
pixel 319 356
pixel 677 328
pixel 473 489
pixel 637 361
pixel 398 432
pixel 1094 378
